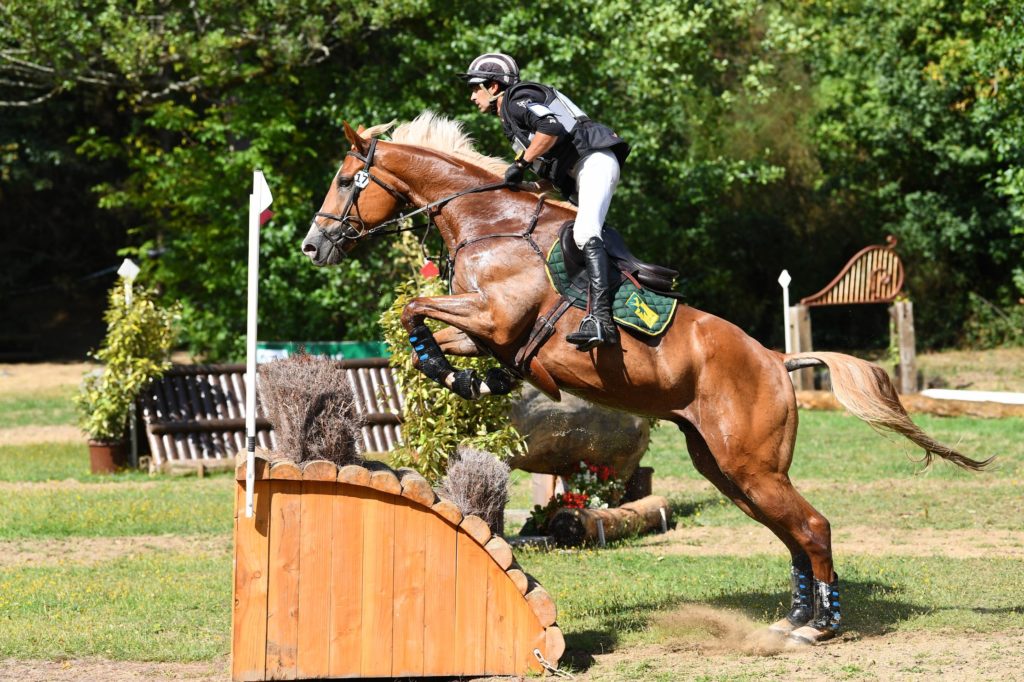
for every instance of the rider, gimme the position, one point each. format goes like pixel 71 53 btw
pixel 581 157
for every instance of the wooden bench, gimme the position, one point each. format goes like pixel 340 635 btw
pixel 197 412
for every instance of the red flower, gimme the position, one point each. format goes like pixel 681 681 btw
pixel 575 500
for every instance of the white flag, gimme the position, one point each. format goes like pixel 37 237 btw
pixel 261 191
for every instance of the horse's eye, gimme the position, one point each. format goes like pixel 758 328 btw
pixel 344 181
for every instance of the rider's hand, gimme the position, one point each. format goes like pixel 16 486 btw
pixel 514 173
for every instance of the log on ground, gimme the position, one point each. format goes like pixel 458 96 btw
pixel 571 527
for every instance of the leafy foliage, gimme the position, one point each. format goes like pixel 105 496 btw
pixel 765 136
pixel 436 421
pixel 135 351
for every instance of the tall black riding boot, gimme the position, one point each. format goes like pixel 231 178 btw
pixel 598 328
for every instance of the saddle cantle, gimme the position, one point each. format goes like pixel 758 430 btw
pixel 655 277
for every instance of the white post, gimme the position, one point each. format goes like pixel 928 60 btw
pixel 784 280
pixel 128 272
pixel 259 200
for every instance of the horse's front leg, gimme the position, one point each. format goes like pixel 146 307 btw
pixel 469 314
pixel 454 341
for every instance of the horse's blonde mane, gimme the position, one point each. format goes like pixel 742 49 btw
pixel 442 134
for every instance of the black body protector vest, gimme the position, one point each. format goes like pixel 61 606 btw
pixel 582 135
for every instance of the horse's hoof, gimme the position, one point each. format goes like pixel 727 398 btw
pixel 782 627
pixel 808 635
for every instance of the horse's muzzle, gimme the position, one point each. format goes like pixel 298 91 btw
pixel 321 250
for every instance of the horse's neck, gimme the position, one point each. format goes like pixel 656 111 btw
pixel 434 177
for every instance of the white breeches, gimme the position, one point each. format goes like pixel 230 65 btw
pixel 597 175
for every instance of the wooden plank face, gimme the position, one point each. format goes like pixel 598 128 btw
pixel 249 612
pixel 439 602
pixel 410 587
pixel 502 600
pixel 283 588
pixel 470 605
pixel 378 584
pixel 529 635
pixel 315 579
pixel 346 606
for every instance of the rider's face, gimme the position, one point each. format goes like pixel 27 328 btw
pixel 481 96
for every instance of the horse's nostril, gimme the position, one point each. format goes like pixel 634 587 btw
pixel 309 249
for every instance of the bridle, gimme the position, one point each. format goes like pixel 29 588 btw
pixel 353 227
pixel 349 231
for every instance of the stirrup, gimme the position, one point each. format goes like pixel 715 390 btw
pixel 587 340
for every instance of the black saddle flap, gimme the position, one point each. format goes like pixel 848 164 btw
pixel 655 277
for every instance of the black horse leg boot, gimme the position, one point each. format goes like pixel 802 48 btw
pixel 597 328
pixel 827 617
pixel 801 605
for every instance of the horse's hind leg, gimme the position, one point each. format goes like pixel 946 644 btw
pixel 801 609
pixel 756 461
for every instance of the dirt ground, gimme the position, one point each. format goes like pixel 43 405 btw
pixel 22 377
pixel 713 646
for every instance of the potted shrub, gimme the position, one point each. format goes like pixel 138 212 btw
pixel 135 351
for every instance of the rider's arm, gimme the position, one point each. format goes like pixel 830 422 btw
pixel 547 129
pixel 541 143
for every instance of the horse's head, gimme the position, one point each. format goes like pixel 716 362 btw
pixel 361 197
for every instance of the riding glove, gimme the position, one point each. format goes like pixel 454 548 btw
pixel 514 173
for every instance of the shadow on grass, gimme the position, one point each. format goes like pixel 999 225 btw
pixel 867 610
pixel 866 607
pixel 682 508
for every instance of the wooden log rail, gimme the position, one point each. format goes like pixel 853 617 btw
pixel 571 527
pixel 361 571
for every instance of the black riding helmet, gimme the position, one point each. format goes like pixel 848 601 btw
pixel 492 66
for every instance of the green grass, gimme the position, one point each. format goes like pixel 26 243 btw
pixel 837 446
pixel 170 606
pixel 910 504
pixel 179 506
pixel 55 462
pixel 45 408
pixel 153 607
pixel 166 606
pixel 602 605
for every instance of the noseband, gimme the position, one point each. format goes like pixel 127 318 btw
pixel 348 230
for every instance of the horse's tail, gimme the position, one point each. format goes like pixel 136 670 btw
pixel 867 392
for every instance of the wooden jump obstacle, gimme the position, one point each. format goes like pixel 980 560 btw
pixel 197 412
pixel 875 274
pixel 361 571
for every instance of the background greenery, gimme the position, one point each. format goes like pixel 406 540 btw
pixel 766 136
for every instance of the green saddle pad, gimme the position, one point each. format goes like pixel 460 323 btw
pixel 632 307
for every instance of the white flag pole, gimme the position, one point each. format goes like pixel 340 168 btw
pixel 128 272
pixel 784 280
pixel 259 200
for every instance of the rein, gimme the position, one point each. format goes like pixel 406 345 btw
pixel 362 179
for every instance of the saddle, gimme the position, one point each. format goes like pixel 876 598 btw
pixel 654 277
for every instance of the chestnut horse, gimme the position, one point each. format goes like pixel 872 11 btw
pixel 731 396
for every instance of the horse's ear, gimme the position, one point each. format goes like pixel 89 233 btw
pixel 360 143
